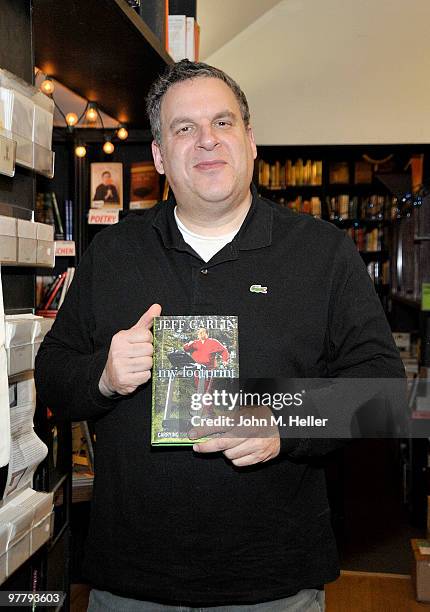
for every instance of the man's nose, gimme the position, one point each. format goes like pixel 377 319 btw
pixel 207 137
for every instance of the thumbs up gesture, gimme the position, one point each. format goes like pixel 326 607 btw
pixel 129 361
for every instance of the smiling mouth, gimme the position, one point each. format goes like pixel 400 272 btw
pixel 210 165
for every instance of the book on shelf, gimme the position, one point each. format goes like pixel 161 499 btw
pixel 51 291
pixel 177 37
pixel 190 51
pixel 59 233
pixel 193 357
pixel 363 172
pixel 47 211
pixel 155 14
pixel 144 185
pixel 279 175
pixel 339 173
pixel 183 37
pixel 68 210
pixel 54 291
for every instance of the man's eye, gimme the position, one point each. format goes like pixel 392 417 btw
pixel 184 130
pixel 223 123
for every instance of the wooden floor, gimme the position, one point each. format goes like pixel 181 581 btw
pixel 352 592
pixel 369 592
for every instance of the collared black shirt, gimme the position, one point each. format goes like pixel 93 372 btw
pixel 169 524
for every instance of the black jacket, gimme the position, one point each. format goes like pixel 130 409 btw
pixel 168 524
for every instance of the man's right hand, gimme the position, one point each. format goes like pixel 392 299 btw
pixel 129 361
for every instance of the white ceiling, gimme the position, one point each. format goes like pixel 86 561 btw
pixel 222 20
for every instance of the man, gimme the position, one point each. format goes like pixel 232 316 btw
pixel 204 349
pixel 240 522
pixel 106 191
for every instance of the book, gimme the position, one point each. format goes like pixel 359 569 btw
pixel 195 357
pixel 55 289
pixel 177 37
pixel 68 210
pixel 66 285
pixel 59 231
pixel 144 185
pixel 339 173
pixel 363 172
pixel 154 14
pixel 190 50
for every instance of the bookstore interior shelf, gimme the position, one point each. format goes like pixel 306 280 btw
pixel 69 47
pixel 407 301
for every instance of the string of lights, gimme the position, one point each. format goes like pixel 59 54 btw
pixel 91 115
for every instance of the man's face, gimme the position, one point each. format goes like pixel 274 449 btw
pixel 106 178
pixel 202 334
pixel 206 151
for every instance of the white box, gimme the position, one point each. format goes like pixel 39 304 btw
pixel 7 226
pixel 19 359
pixel 44 231
pixel 18 520
pixel 18 553
pixel 8 240
pixel 21 331
pixel 3 575
pixel 45 325
pixel 45 253
pixel 27 251
pixel 8 249
pixel 5 530
pixel 26 229
pixel 25 392
pixel 41 532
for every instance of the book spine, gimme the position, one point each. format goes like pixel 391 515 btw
pixel 177 37
pixel 190 51
pixel 59 223
pixel 54 291
pixel 64 288
pixel 67 218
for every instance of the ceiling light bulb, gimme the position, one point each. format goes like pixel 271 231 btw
pixel 122 133
pixel 80 151
pixel 91 113
pixel 47 86
pixel 71 119
pixel 108 147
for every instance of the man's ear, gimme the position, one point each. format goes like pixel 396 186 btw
pixel 252 141
pixel 158 160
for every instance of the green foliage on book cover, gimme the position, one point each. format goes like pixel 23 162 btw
pixel 193 355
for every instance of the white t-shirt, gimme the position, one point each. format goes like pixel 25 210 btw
pixel 205 246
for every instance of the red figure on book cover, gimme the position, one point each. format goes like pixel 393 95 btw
pixel 204 350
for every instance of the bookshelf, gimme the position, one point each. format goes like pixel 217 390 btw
pixel 341 185
pixel 46 568
pixel 398 266
pixel 71 48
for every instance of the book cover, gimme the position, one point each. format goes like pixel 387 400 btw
pixel 106 185
pixel 144 185
pixel 194 356
pixel 339 173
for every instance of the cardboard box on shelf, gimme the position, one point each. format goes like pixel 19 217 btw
pixel 421 569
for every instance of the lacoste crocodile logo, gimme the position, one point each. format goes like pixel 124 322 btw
pixel 257 289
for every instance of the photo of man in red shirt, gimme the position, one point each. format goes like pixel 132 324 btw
pixel 204 350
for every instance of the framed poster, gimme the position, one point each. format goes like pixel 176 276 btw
pixel 106 185
pixel 144 185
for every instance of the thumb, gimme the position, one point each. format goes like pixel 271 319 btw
pixel 146 319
